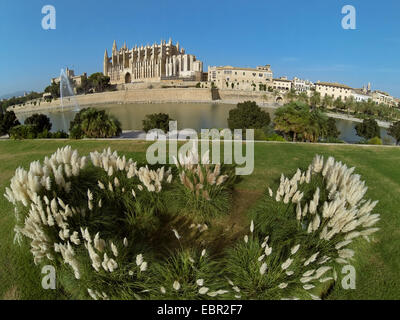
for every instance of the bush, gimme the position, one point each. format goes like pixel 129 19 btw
pixel 93 123
pixel 23 132
pixel 375 140
pixel 368 129
pixel 105 225
pixel 8 120
pixel 248 115
pixel 156 121
pixel 204 192
pixel 41 121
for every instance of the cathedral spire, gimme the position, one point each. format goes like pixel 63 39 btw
pixel 115 46
pixel 106 55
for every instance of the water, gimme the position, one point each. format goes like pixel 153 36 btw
pixel 189 115
pixel 67 100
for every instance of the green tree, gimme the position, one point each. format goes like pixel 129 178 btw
pixel 297 122
pixel 315 99
pixel 394 131
pixel 248 115
pixel 327 102
pixel 99 82
pixel 331 130
pixel 368 129
pixel 54 89
pixel 338 103
pixel 93 123
pixel 156 121
pixel 41 121
pixel 8 120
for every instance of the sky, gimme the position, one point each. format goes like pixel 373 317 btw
pixel 297 38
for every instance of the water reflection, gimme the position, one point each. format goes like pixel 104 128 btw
pixel 189 115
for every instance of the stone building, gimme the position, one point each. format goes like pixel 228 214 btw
pixel 248 79
pixel 282 84
pixel 75 80
pixel 164 61
pixel 334 90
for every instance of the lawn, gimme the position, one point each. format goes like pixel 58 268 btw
pixel 377 263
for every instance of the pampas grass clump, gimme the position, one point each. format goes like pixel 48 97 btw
pixel 101 222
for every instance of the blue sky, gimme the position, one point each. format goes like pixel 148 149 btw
pixel 298 38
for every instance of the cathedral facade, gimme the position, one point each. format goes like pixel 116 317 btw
pixel 164 61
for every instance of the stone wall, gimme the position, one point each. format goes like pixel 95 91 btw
pixel 128 96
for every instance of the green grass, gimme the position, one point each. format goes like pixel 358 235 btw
pixel 377 263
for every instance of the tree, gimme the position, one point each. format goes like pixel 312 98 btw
pixel 41 121
pixel 338 103
pixel 368 129
pixel 157 121
pixel 327 101
pixel 99 82
pixel 54 90
pixel 93 123
pixel 291 95
pixel 296 121
pixel 331 130
pixel 8 120
pixel 394 131
pixel 248 115
pixel 315 99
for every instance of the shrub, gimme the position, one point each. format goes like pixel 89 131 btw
pixel 41 121
pixel 93 123
pixel 248 115
pixel 23 132
pixel 204 191
pixel 156 121
pixel 8 120
pixel 101 223
pixel 303 230
pixel 368 129
pixel 376 141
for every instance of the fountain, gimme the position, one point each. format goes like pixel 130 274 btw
pixel 67 97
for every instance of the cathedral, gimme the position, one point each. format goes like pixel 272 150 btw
pixel 164 61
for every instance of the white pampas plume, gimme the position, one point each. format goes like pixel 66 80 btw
pixel 125 242
pixel 176 286
pixel 263 268
pixel 176 234
pixel 200 282
pixel 163 291
pixel 246 238
pixel 286 264
pixel 143 267
pixel 139 259
pixel 295 249
pixel 114 249
pixel 203 253
pixel 283 285
pixel 308 286
pixel 203 290
pixel 252 226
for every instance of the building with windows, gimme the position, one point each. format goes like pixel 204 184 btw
pixel 76 81
pixel 164 61
pixel 248 79
pixel 383 97
pixel 301 85
pixel 282 84
pixel 360 95
pixel 335 90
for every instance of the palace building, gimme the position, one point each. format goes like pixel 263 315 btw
pixel 164 61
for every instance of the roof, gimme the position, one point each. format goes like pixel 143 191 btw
pixel 284 80
pixel 334 84
pixel 240 68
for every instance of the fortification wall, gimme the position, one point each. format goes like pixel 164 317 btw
pixel 126 96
